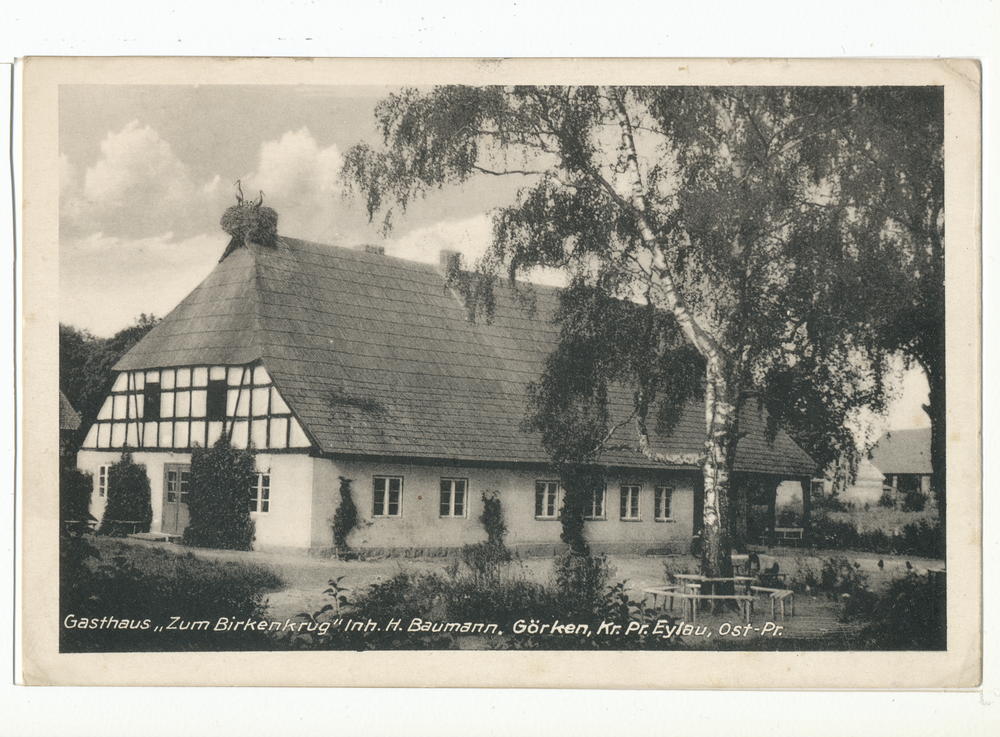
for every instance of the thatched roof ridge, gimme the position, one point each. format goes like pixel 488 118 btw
pixel 377 357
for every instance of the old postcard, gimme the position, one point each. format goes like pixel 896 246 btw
pixel 568 373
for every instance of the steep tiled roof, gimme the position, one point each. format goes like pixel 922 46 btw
pixel 903 451
pixel 376 356
pixel 68 417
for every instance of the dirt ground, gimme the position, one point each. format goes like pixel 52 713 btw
pixel 307 578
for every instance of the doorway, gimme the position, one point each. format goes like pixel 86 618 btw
pixel 176 483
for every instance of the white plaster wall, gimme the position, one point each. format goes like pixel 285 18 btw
pixel 305 494
pixel 325 500
pixel 287 523
pixel 420 523
pixel 647 530
pixel 91 460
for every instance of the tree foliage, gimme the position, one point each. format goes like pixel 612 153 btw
pixel 75 488
pixel 221 478
pixel 129 507
pixel 774 232
pixel 86 365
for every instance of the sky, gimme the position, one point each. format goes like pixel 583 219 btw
pixel 147 171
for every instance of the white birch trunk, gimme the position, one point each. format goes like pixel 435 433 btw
pixel 720 412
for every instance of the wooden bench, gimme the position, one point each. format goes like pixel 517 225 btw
pixel 779 596
pixel 782 535
pixel 667 592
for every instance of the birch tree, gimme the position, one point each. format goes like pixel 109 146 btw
pixel 735 212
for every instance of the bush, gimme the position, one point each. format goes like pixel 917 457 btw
pixel 221 478
pixel 914 501
pixel 346 517
pixel 129 508
pixel 75 488
pixel 830 503
pixel 922 538
pixel 580 581
pixel 887 500
pixel 112 582
pixel 917 538
pixel 908 616
pixel 486 560
pixel 788 517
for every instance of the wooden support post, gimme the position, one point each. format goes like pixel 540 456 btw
pixel 772 501
pixel 806 507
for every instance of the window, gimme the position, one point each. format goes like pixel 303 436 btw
pixel 102 482
pixel 216 402
pixel 178 481
pixel 151 400
pixel 630 502
pixel 546 499
pixel 388 496
pixel 595 506
pixel 661 503
pixel 260 494
pixel 453 497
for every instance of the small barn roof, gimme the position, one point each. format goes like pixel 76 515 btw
pixel 376 356
pixel 69 419
pixel 903 451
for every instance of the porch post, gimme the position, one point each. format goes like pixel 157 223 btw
pixel 806 507
pixel 772 502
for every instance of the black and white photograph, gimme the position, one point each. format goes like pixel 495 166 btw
pixel 385 358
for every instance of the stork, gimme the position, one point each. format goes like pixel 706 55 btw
pixel 239 193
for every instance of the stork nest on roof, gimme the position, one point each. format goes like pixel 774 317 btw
pixel 247 224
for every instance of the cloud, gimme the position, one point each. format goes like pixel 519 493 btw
pixel 138 188
pixel 469 236
pixel 105 282
pixel 301 180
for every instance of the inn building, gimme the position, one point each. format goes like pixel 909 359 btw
pixel 334 362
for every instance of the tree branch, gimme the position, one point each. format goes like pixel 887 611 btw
pixel 523 172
